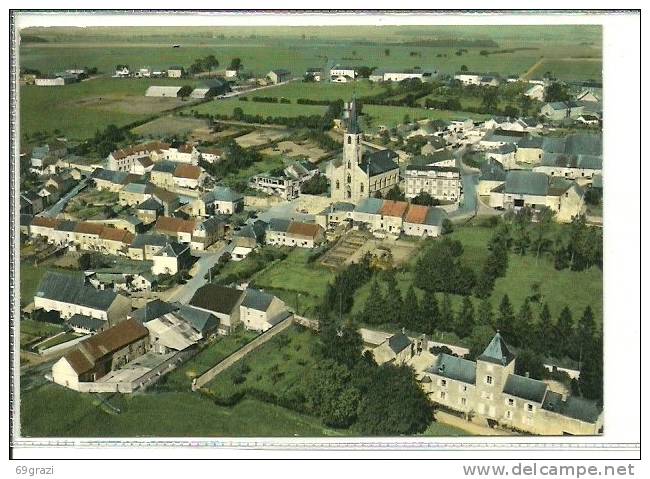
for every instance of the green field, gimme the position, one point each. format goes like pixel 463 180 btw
pixel 558 288
pixel 31 330
pixel 181 378
pixel 169 125
pixel 298 48
pixel 174 414
pixel 300 284
pixel 80 109
pixel 226 107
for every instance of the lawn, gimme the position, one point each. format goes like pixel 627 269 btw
pixel 297 282
pixel 80 109
pixel 322 90
pixel 170 125
pixel 181 378
pixel 278 367
pixel 31 330
pixel 63 338
pixel 241 177
pixel 390 116
pixel 173 414
pixel 575 289
pixel 288 110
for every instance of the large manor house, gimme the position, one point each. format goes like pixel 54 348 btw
pixel 360 174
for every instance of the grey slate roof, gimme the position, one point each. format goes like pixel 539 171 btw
pixel 379 162
pixel 222 193
pixel 254 230
pixel 257 300
pixel 71 289
pixel 213 223
pixel 165 167
pixel 435 216
pixel 150 239
pixel 279 225
pixel 398 342
pixel 525 388
pixel 140 188
pixel 150 204
pixel 526 183
pixel 497 351
pixel 86 322
pixel 455 368
pixel 369 205
pixel 154 309
pixel 493 170
pixel 219 299
pixel 116 177
pixel 173 249
pixel 200 320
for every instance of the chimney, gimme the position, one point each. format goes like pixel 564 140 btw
pixel 527 374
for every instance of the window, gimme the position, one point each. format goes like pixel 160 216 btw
pixel 443 383
pixel 349 140
pixel 338 185
pixel 511 402
pixel 361 186
pixel 349 179
pixel 349 164
pixel 463 401
pixel 462 387
pixel 489 379
pixel 443 395
pixel 530 408
pixel 508 414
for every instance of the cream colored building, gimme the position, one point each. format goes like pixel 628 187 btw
pixel 260 311
pixel 442 183
pixel 489 391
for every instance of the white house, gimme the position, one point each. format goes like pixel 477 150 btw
pixel 260 311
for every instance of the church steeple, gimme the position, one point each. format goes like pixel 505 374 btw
pixel 353 120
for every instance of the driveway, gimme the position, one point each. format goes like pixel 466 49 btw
pixel 203 265
pixel 57 208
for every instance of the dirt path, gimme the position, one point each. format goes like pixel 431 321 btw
pixel 531 70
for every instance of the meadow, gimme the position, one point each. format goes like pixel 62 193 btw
pixel 80 109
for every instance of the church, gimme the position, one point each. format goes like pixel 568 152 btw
pixel 360 174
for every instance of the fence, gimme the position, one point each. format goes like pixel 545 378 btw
pixel 240 353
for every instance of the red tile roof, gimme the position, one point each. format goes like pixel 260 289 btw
pixel 115 234
pixel 175 225
pixel 416 214
pixel 187 171
pixel 146 148
pixel 309 230
pixel 88 228
pixel 394 208
pixel 45 222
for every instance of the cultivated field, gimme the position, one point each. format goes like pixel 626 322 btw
pixel 80 109
pixel 170 125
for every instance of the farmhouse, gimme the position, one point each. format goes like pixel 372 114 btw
pixel 397 349
pixel 423 221
pixel 209 153
pixel 490 389
pixel 129 159
pixel 171 259
pixel 221 301
pixel 493 174
pixel 207 232
pixel 315 74
pixel 398 76
pixel 260 311
pixel 356 175
pixel 220 200
pixel 100 354
pixel 342 74
pixel 442 183
pixel 188 176
pixel 145 246
pixel 58 79
pixel 536 92
pixel 182 154
pixel 135 193
pixel 279 76
pixel 562 110
pixel 535 190
pixel 175 72
pixel 281 232
pixel 69 295
pixel 282 186
pixel 177 228
pixel 209 89
pixel 163 91
pixel 149 210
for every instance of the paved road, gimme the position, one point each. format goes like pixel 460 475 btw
pixel 233 94
pixel 205 263
pixel 57 208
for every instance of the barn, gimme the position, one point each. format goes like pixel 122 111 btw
pixel 163 91
pixel 210 88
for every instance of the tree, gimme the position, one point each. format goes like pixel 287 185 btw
pixel 479 339
pixel 523 323
pixel 447 226
pixel 590 382
pixel 564 333
pixel 525 104
pixel 425 199
pixel 530 363
pixel 235 64
pixel 393 305
pixel 387 52
pixel 544 221
pixel 506 317
pixel 465 320
pixel 411 312
pixel 585 330
pixel 556 92
pixel 446 314
pixel 395 194
pixel 544 331
pixel 330 395
pixel 185 91
pixel 490 100
pixel 341 344
pixel 511 111
pixel 316 185
pixel 485 313
pixel 430 312
pixel 463 68
pixel 593 197
pixel 382 412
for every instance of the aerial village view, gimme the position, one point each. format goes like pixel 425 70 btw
pixel 310 231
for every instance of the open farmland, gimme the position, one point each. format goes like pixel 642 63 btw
pixel 80 109
pixel 170 125
pixel 226 107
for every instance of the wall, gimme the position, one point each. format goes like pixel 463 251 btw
pixel 236 356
